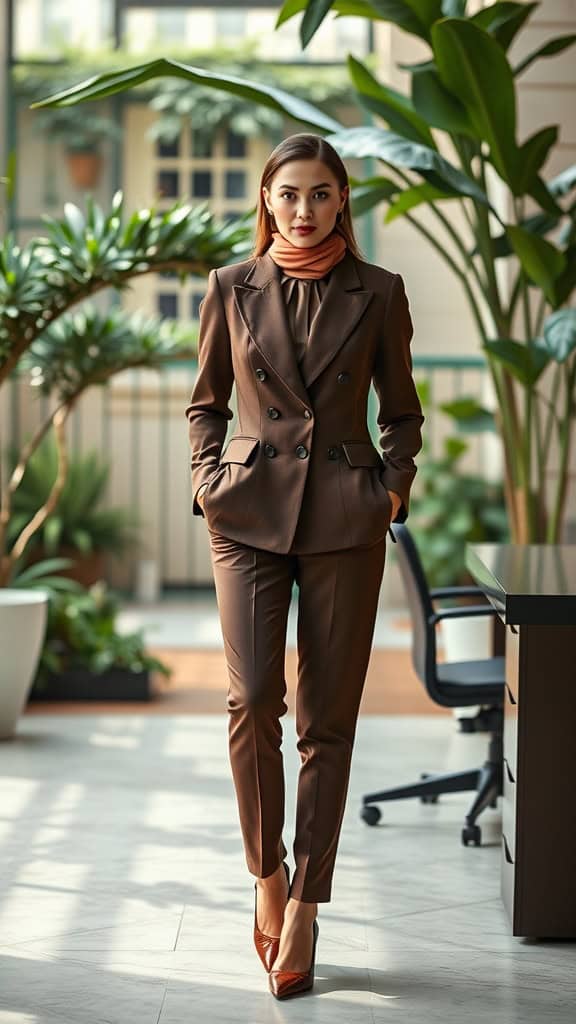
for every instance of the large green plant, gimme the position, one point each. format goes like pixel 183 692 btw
pixel 67 352
pixel 175 103
pixel 462 99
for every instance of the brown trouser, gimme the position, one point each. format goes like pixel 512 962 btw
pixel 338 598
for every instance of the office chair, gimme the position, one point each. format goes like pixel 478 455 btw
pixel 454 684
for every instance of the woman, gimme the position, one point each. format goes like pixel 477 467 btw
pixel 300 494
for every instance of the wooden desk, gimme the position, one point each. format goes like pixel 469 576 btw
pixel 533 589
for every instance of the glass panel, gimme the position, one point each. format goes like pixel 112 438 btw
pixel 171 25
pixel 235 144
pixel 168 305
pixel 201 144
pixel 52 26
pixel 230 23
pixel 201 184
pixel 195 300
pixel 235 184
pixel 168 184
pixel 168 148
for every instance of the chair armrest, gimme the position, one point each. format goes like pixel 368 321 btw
pixel 468 611
pixel 455 591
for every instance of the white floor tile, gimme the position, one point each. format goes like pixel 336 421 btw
pixel 125 897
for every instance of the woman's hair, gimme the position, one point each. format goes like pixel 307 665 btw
pixel 303 146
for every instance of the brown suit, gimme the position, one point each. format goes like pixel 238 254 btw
pixel 294 476
pixel 299 496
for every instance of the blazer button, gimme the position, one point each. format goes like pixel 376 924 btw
pixel 307 414
pixel 269 451
pixel 333 453
pixel 302 451
pixel 343 377
pixel 273 413
pixel 261 374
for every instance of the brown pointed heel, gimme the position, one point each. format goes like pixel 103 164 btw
pixel 284 984
pixel 266 945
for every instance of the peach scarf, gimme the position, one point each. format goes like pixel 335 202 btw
pixel 314 262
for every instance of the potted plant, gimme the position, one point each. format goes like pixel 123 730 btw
pixel 462 101
pixel 82 138
pixel 85 657
pixel 79 528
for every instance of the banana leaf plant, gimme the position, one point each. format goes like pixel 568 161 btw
pixel 64 352
pixel 463 93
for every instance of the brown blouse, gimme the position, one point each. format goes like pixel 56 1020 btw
pixel 303 297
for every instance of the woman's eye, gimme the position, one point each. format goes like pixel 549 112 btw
pixel 283 195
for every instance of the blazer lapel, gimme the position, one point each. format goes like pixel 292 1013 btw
pixel 343 304
pixel 262 307
pixel 261 304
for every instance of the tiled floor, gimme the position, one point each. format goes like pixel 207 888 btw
pixel 125 898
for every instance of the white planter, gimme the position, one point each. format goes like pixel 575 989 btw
pixel 467 640
pixel 23 615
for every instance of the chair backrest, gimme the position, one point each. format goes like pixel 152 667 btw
pixel 421 608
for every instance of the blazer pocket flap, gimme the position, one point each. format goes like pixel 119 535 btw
pixel 239 449
pixel 361 453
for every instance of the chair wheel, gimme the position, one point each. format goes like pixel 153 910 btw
pixel 371 815
pixel 471 834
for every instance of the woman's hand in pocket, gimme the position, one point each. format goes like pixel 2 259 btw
pixel 200 495
pixel 396 502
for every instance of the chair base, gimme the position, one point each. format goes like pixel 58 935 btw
pixel 487 781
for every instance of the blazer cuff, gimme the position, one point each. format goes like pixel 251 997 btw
pixel 196 507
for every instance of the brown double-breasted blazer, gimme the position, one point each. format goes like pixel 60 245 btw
pixel 301 472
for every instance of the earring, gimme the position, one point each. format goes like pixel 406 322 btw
pixel 273 225
pixel 339 216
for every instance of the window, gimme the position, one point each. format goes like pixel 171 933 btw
pixel 168 184
pixel 235 187
pixel 168 305
pixel 201 184
pixel 220 170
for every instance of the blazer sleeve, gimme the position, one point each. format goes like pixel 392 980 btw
pixel 400 414
pixel 209 412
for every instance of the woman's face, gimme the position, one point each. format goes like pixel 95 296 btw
pixel 304 193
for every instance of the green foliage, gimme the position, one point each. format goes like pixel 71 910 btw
pixel 81 633
pixel 451 507
pixel 86 347
pixel 78 521
pixel 82 253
